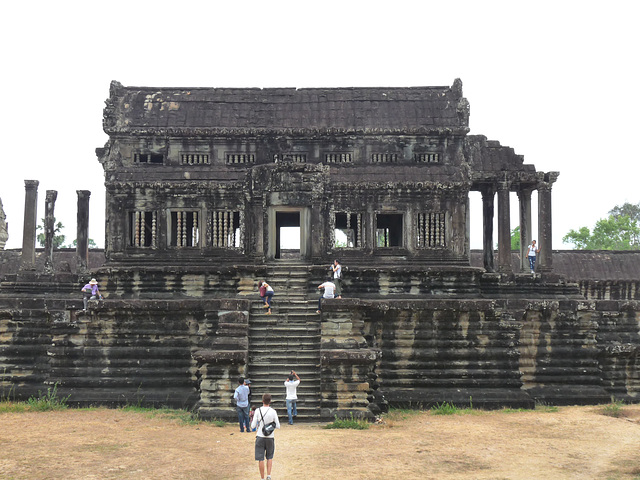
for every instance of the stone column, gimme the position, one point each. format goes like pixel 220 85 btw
pixel 545 258
pixel 524 197
pixel 4 228
pixel 504 229
pixel 82 231
pixel 49 229
pixel 30 219
pixel 488 195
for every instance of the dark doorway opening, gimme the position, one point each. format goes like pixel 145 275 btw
pixel 287 235
pixel 389 230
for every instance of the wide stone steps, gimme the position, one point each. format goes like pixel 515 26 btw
pixel 288 339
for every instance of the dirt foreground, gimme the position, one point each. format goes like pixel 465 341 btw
pixel 570 443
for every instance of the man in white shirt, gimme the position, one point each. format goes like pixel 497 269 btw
pixel 265 445
pixel 292 395
pixel 329 288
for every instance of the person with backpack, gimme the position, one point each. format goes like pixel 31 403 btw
pixel 265 421
pixel 266 293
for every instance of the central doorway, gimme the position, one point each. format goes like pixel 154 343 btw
pixel 288 232
pixel 287 235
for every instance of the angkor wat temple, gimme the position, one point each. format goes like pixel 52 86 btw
pixel 204 185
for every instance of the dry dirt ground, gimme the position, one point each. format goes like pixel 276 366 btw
pixel 570 443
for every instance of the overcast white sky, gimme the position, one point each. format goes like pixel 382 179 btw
pixel 555 80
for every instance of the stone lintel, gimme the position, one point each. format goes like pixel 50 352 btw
pixel 231 357
pixel 351 357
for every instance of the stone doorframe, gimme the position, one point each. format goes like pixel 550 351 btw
pixel 305 230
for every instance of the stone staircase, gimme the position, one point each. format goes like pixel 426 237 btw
pixel 288 339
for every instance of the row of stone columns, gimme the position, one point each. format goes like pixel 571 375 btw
pixel 30 223
pixel 545 257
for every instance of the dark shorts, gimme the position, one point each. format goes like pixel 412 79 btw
pixel 263 445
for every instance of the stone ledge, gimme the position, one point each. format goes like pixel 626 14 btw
pixel 231 357
pixel 351 357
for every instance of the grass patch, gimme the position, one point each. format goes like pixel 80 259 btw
pixel 515 410
pixel 352 423
pixel 446 408
pixel 48 401
pixel 184 416
pixel 613 409
pixel 42 403
pixel 7 406
pixel 399 414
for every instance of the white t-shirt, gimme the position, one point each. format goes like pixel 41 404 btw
pixel 291 387
pixel 269 414
pixel 337 273
pixel 329 288
pixel 532 250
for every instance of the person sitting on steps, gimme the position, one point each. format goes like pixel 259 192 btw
pixel 329 289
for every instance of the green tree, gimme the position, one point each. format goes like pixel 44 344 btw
pixel 92 243
pixel 619 231
pixel 515 238
pixel 58 238
pixel 629 209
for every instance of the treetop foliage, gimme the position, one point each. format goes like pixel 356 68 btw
pixel 619 231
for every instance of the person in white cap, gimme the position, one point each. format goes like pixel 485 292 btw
pixel 90 292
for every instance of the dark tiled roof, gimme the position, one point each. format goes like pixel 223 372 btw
pixel 284 108
pixel 578 265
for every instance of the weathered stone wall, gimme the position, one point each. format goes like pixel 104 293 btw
pixel 347 365
pixel 618 344
pixel 465 352
pixel 610 289
pixel 122 351
pixel 489 353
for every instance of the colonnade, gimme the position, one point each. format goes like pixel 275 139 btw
pixel 502 189
pixel 28 259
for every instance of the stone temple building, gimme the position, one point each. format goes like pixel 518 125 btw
pixel 206 187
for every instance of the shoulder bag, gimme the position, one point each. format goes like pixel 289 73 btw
pixel 267 428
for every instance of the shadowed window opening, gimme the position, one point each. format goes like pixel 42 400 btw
pixel 233 158
pixel 384 157
pixel 184 229
pixel 225 229
pixel 194 158
pixel 155 158
pixel 338 157
pixel 431 230
pixel 389 230
pixel 348 230
pixel 427 157
pixel 142 229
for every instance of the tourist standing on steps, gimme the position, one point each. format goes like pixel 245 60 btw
pixel 291 385
pixel 532 251
pixel 336 268
pixel 266 292
pixel 265 445
pixel 329 289
pixel 90 292
pixel 241 396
